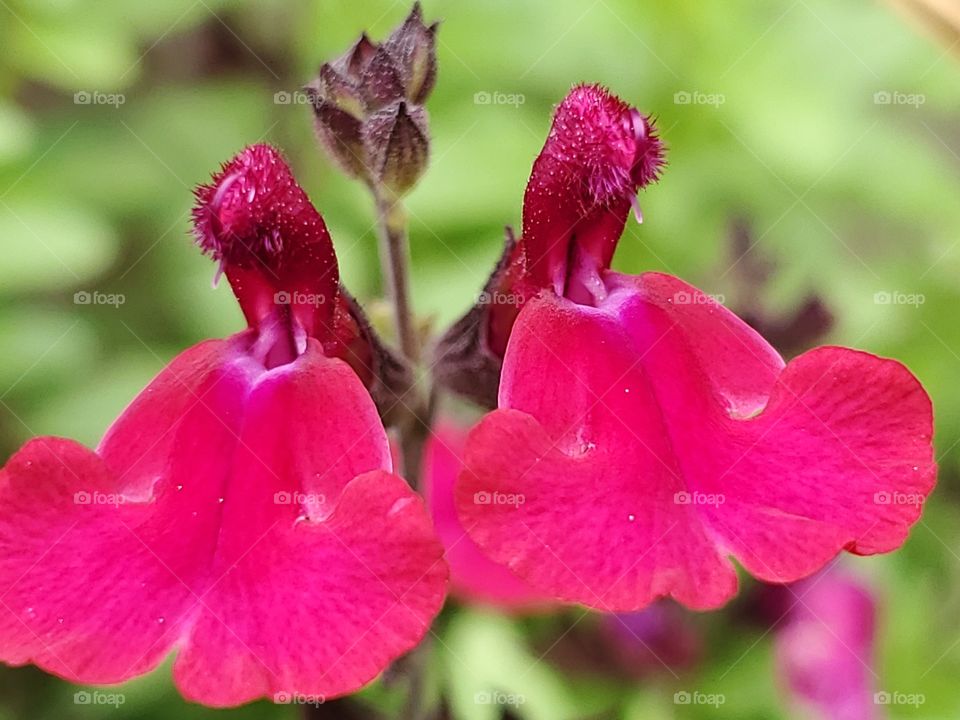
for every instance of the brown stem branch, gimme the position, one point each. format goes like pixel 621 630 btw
pixel 395 255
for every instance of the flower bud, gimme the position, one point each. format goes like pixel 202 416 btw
pixel 340 90
pixel 381 83
pixel 395 140
pixel 367 105
pixel 340 133
pixel 353 62
pixel 412 46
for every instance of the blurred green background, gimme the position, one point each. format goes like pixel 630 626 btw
pixel 832 129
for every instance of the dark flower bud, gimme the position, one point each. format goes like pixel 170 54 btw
pixel 340 90
pixel 413 49
pixel 367 105
pixel 340 133
pixel 381 83
pixel 395 139
pixel 353 62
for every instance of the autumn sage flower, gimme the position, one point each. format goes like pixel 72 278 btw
pixel 652 434
pixel 242 512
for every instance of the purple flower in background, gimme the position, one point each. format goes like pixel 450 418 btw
pixel 825 647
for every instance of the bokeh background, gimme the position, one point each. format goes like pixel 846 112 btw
pixel 824 134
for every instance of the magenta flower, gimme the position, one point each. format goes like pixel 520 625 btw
pixel 652 434
pixel 474 577
pixel 825 648
pixel 242 512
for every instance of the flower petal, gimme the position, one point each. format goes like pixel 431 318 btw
pixel 656 434
pixel 316 608
pixel 247 517
pixel 91 553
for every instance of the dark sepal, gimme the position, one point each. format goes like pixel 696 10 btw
pixel 343 92
pixel 385 374
pixel 413 48
pixel 465 360
pixel 397 146
pixel 355 60
pixel 381 81
pixel 340 133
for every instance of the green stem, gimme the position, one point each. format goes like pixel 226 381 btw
pixel 414 428
pixel 395 254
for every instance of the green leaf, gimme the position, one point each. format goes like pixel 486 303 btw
pixel 51 246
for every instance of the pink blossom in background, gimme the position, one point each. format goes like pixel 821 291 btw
pixel 242 512
pixel 473 576
pixel 825 646
pixel 652 433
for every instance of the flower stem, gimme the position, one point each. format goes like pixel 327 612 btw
pixel 415 423
pixel 395 261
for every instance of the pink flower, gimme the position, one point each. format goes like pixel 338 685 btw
pixel 825 647
pixel 474 577
pixel 242 512
pixel 652 433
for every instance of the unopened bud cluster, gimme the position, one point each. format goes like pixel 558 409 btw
pixel 368 105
